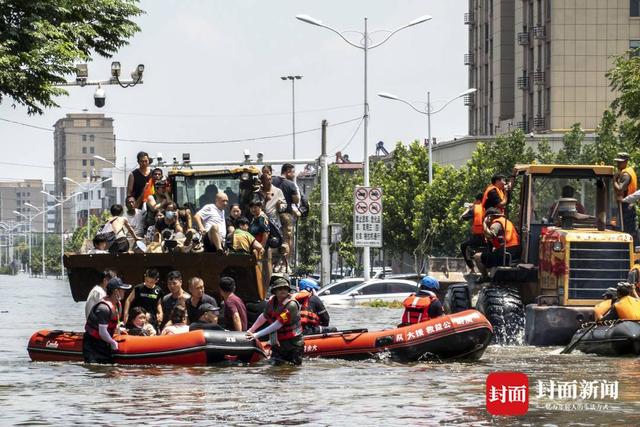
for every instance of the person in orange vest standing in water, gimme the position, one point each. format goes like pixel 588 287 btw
pixel 505 243
pixel 476 242
pixel 283 314
pixel 625 183
pixel 496 195
pixel 424 304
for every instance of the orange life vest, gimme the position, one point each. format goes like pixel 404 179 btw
pixel 416 308
pixel 308 318
pixel 601 309
pixel 478 216
pixel 628 308
pixel 509 231
pixel 485 196
pixel 93 329
pixel 149 189
pixel 633 182
pixel 291 327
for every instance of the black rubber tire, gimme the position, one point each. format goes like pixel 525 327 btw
pixel 503 307
pixel 457 298
pixel 254 310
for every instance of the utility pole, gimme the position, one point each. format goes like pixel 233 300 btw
pixel 325 272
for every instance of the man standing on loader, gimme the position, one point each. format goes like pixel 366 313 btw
pixel 625 183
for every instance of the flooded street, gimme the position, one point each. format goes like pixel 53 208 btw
pixel 321 392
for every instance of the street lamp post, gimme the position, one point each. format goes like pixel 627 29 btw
pixel 61 201
pixel 86 188
pixel 124 172
pixel 428 112
pixel 365 47
pixel 293 107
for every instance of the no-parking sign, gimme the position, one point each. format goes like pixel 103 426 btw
pixel 367 217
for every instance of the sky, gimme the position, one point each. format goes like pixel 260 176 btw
pixel 212 74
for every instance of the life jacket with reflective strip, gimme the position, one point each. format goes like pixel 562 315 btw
pixel 478 216
pixel 633 182
pixel 291 327
pixel 416 307
pixel 628 308
pixel 508 231
pixel 308 317
pixel 485 196
pixel 601 309
pixel 92 328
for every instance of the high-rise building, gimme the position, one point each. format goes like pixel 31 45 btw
pixel 16 196
pixel 77 139
pixel 540 65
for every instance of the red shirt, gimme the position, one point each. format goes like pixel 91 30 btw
pixel 234 305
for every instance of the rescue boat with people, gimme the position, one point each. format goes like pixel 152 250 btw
pixel 609 338
pixel 199 347
pixel 463 335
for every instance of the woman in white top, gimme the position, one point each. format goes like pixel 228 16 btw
pixel 177 321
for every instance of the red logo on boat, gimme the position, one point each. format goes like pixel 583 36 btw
pixel 507 393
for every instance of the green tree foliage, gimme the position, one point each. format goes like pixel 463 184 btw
pixel 624 78
pixel 75 243
pixel 40 42
pixel 51 254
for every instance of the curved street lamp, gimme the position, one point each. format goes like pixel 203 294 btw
pixel 428 111
pixel 364 46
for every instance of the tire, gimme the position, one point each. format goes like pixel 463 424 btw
pixel 504 309
pixel 457 298
pixel 254 310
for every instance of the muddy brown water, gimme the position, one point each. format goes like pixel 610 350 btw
pixel 321 392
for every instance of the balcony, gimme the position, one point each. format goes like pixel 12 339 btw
pixel 538 32
pixel 523 82
pixel 469 99
pixel 538 122
pixel 523 39
pixel 538 77
pixel 522 126
pixel 468 18
pixel 468 59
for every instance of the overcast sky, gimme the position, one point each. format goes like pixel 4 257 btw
pixel 213 73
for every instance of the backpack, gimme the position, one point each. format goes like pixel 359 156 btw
pixel 275 236
pixel 303 207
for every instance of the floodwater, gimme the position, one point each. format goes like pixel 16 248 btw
pixel 321 392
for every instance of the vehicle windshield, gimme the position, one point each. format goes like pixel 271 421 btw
pixel 547 190
pixel 201 190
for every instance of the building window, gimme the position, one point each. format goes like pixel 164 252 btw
pixel 84 174
pixel 634 45
pixel 634 7
pixel 92 150
pixel 84 162
pixel 86 196
pixel 84 150
pixel 92 138
pixel 84 138
pixel 92 162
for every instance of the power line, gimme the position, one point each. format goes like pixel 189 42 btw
pixel 227 141
pixel 339 107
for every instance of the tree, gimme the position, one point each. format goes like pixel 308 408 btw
pixel 40 42
pixel 624 78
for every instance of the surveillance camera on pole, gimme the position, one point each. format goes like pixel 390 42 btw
pixel 99 97
pixel 136 74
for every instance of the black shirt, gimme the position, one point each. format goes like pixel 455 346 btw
pixel 100 315
pixel 148 299
pixel 288 188
pixel 168 303
pixel 192 312
pixel 207 326
pixel 139 182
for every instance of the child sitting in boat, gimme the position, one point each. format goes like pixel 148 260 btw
pixel 177 321
pixel 139 324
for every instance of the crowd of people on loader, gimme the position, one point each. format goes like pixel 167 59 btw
pixel 151 221
pixel 494 240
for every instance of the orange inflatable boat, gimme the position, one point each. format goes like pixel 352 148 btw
pixel 201 347
pixel 463 335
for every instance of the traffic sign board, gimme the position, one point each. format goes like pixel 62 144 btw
pixel 367 217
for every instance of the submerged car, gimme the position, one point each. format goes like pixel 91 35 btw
pixel 375 289
pixel 340 286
